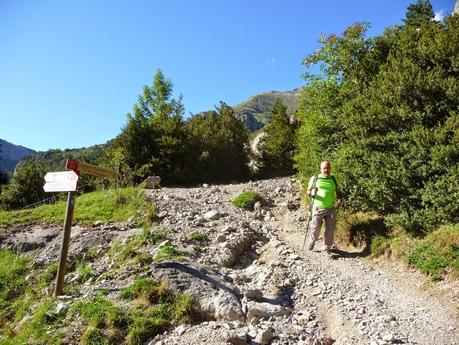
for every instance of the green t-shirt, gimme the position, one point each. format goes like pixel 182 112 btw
pixel 326 188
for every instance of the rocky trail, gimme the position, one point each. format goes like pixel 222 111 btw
pixel 252 281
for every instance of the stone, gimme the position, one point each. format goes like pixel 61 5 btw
pixel 180 329
pixel 388 337
pixel 254 295
pixel 238 339
pixel 264 336
pixel 212 215
pixel 266 310
pixel 152 182
pixel 221 238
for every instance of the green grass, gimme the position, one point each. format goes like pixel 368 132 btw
pixel 247 199
pixel 170 252
pixel 432 261
pixel 145 289
pixel 436 255
pixel 152 235
pixel 198 237
pixel 94 336
pixel 40 328
pixel 13 270
pixel 131 250
pixel 99 312
pixel 153 308
pixel 115 205
pixel 158 308
pixel 84 271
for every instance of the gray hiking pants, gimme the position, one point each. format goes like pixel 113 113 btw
pixel 318 216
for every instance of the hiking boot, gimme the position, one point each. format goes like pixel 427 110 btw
pixel 311 245
pixel 334 248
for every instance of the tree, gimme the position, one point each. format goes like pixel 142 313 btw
pixel 385 111
pixel 419 13
pixel 3 177
pixel 219 146
pixel 346 65
pixel 277 147
pixel 154 139
pixel 234 145
pixel 401 156
pixel 25 187
pixel 205 146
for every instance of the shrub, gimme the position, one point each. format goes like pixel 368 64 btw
pixel 247 199
pixel 428 260
pixel 198 237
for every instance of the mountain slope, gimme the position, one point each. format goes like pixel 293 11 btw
pixel 249 278
pixel 256 111
pixel 11 154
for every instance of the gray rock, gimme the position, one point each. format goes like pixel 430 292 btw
pixel 152 182
pixel 238 338
pixel 264 336
pixel 266 310
pixel 212 215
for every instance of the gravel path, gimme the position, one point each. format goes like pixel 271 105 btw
pixel 371 304
pixel 342 299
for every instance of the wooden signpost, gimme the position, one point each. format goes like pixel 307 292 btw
pixel 67 181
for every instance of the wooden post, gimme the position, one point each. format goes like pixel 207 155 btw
pixel 65 244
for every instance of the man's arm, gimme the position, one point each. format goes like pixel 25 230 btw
pixel 311 187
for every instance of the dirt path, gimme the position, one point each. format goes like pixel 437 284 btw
pixel 368 304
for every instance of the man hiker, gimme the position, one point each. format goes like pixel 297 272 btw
pixel 323 189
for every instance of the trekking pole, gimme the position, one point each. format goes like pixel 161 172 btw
pixel 309 220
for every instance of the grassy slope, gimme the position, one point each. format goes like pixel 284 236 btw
pixel 114 205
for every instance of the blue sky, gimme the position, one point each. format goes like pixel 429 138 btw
pixel 70 71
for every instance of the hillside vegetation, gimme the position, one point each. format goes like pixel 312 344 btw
pixel 385 111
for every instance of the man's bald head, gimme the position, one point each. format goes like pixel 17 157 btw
pixel 325 168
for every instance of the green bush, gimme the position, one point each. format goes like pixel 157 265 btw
pixel 25 187
pixel 379 245
pixel 384 111
pixel 428 260
pixel 247 199
pixel 198 237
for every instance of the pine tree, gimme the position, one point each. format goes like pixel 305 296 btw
pixel 234 144
pixel 154 140
pixel 419 13
pixel 277 147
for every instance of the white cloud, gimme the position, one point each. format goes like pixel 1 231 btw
pixel 271 61
pixel 439 15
